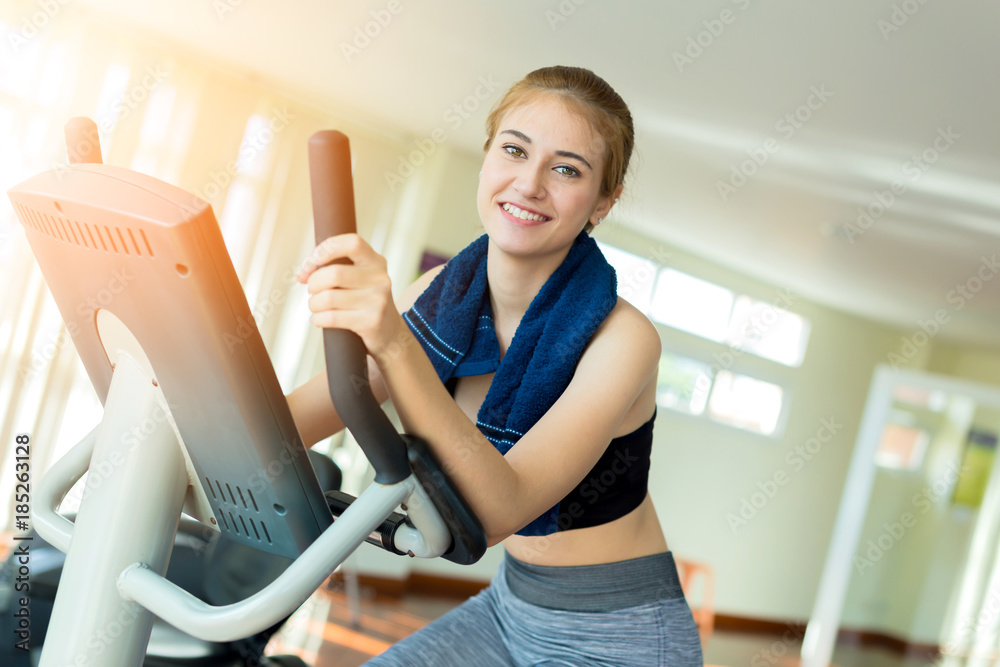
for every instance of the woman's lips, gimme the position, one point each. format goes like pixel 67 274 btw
pixel 520 221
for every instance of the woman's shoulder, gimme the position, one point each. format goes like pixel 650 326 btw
pixel 626 324
pixel 626 341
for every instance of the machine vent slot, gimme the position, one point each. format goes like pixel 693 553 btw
pixel 253 500
pixel 255 531
pixel 119 240
pixel 237 502
pixel 232 494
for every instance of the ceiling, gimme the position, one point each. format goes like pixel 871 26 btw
pixel 838 101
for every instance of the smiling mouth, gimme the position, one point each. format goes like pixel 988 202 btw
pixel 522 214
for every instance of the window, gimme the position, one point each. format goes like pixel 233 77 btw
pixel 689 304
pixel 768 331
pixel 710 311
pixel 902 447
pixel 704 309
pixel 745 402
pixel 683 384
pixel 636 276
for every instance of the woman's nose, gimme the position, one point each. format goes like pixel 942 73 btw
pixel 530 182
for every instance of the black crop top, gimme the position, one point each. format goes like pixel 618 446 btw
pixel 616 485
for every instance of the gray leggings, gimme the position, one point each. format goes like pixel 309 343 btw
pixel 626 613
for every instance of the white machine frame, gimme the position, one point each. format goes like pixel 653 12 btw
pixel 118 548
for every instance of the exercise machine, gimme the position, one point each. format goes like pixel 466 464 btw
pixel 195 423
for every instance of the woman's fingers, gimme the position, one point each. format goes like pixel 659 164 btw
pixel 341 246
pixel 348 277
pixel 367 312
pixel 356 295
pixel 371 299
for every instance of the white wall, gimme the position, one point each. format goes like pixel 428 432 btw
pixel 705 477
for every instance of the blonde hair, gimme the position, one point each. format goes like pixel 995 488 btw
pixel 593 99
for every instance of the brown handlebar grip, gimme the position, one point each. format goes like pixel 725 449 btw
pixel 82 141
pixel 346 357
pixel 331 183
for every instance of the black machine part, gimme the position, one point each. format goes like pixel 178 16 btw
pixel 468 539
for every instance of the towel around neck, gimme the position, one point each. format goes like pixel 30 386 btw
pixel 453 321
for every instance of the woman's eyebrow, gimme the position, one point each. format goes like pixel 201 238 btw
pixel 526 139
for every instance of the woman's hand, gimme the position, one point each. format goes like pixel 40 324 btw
pixel 357 296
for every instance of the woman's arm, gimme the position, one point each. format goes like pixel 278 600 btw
pixel 508 492
pixel 505 492
pixel 312 408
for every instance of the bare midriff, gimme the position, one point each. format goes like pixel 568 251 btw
pixel 634 535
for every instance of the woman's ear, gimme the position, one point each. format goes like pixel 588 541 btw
pixel 605 204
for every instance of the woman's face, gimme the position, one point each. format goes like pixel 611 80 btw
pixel 541 178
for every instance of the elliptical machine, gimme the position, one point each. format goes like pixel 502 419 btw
pixel 195 420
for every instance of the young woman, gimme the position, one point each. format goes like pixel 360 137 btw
pixel 547 433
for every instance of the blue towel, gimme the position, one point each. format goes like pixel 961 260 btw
pixel 453 321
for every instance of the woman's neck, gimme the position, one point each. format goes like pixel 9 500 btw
pixel 513 282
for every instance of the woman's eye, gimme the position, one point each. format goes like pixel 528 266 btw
pixel 514 150
pixel 567 171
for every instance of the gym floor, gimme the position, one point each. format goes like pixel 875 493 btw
pixel 322 633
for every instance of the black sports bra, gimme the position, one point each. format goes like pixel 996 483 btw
pixel 616 485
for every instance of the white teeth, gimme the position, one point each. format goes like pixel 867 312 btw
pixel 524 215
